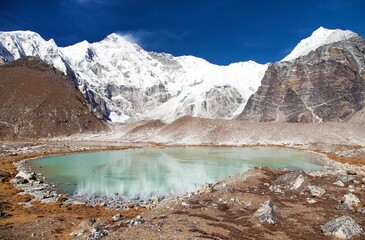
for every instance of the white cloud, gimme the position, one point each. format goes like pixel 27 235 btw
pixel 137 37
pixel 152 39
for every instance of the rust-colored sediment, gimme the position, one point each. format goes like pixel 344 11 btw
pixel 57 218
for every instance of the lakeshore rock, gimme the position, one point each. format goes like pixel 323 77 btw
pixel 97 234
pixel 77 233
pixel 291 181
pixel 267 212
pixel 207 188
pixel 22 174
pixel 350 201
pixel 339 183
pixel 346 178
pixel 116 217
pixel 343 227
pixel 316 191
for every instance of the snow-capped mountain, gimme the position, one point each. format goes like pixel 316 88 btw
pixel 18 44
pixel 319 37
pixel 325 85
pixel 123 81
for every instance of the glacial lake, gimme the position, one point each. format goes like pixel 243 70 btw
pixel 147 172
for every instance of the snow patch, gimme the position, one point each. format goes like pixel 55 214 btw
pixel 319 37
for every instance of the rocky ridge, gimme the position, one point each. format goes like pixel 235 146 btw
pixel 326 85
pixel 37 100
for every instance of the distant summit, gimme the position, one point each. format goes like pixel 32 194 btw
pixel 319 37
pixel 325 85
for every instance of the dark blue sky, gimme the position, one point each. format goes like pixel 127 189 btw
pixel 221 31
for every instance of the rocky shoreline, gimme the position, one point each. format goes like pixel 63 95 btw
pixel 259 203
pixel 36 185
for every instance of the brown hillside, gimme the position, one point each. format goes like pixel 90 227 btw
pixel 36 100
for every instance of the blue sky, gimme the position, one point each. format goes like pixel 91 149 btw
pixel 221 31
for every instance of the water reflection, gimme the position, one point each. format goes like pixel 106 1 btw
pixel 147 172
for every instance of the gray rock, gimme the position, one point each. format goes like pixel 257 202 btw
pixel 97 234
pixel 345 178
pixel 316 191
pixel 311 200
pixel 363 180
pixel 22 174
pixel 267 212
pixel 20 180
pixel 26 176
pixel 116 217
pixel 31 176
pixel 350 201
pixel 207 188
pixel 343 227
pixel 339 183
pixel 290 181
pixel 77 232
pixel 351 188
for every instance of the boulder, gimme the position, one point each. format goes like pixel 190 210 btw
pixel 343 227
pixel 339 183
pixel 267 212
pixel 26 176
pixel 116 217
pixel 350 201
pixel 345 178
pixel 291 181
pixel 207 188
pixel 316 191
pixel 77 233
pixel 22 174
pixel 97 234
pixel 32 176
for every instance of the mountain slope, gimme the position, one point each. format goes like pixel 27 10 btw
pixel 36 100
pixel 121 81
pixel 327 84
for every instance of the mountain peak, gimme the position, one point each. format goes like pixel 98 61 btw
pixel 319 37
pixel 77 51
pixel 115 37
pixel 20 32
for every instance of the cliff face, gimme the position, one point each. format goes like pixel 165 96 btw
pixel 326 85
pixel 36 100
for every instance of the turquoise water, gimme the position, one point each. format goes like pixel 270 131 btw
pixel 148 172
